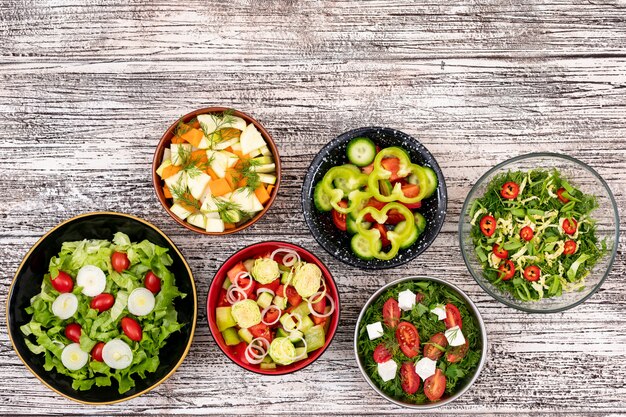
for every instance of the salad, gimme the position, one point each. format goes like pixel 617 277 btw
pixel 418 341
pixel 104 311
pixel 375 198
pixel 274 310
pixel 218 172
pixel 534 234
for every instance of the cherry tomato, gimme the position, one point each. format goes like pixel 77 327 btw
pixel 63 282
pixel 96 352
pixel 435 385
pixel 383 234
pixel 410 190
pixel 457 353
pixel 453 317
pixel 392 165
pixel 102 302
pixel 132 329
pixel 419 297
pixel 431 349
pixel 507 270
pixel 510 190
pixel 340 219
pixel 500 252
pixel 532 273
pixel 409 379
pixel 559 193
pixel 73 331
pixel 261 330
pixel 381 354
pixel 119 261
pixel 391 313
pixel 570 226
pixel 408 339
pixel 488 225
pixel 152 282
pixel 570 247
pixel 526 233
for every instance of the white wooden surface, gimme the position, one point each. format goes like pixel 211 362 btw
pixel 87 88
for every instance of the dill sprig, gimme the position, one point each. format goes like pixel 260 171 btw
pixel 183 196
pixel 245 171
pixel 216 135
pixel 231 212
pixel 193 165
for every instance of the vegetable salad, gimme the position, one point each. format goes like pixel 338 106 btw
pixel 534 234
pixel 218 172
pixel 104 311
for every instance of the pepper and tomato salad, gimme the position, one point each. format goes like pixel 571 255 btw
pixel 534 235
pixel 428 343
pixel 274 310
pixel 375 198
pixel 104 312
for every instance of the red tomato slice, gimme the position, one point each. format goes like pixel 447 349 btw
pixel 500 252
pixel 453 317
pixel 292 296
pixel 559 194
pixel 411 190
pixel 392 165
pixel 435 385
pixel 411 206
pixel 381 354
pixel 368 169
pixel 526 233
pixel 340 219
pixel 570 226
pixel 391 313
pixel 236 270
pixel 63 282
pixel 488 225
pixel 510 190
pixel 271 286
pixel 507 270
pixel 408 339
pixel 119 261
pixel 261 330
pixel 570 247
pixel 222 300
pixel 240 352
pixel 457 353
pixel 532 273
pixel 409 380
pixel 433 352
pixel 383 234
pixel 271 316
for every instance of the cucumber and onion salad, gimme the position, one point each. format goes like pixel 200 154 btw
pixel 274 310
pixel 104 311
pixel 418 341
pixel 218 172
pixel 534 235
pixel 375 198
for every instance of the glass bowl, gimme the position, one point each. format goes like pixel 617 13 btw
pixel 606 215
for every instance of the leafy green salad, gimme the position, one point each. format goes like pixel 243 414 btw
pixel 104 311
pixel 418 341
pixel 534 234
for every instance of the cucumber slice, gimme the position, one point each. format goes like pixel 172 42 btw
pixel 230 337
pixel 307 323
pixel 432 181
pixel 271 365
pixel 411 239
pixel 361 151
pixel 224 318
pixel 315 338
pixel 361 247
pixel 351 225
pixel 267 178
pixel 301 353
pixel 302 309
pixel 420 222
pixel 321 200
pixel 264 300
pixel 245 335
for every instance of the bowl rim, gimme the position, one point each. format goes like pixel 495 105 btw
pixel 213 326
pixel 481 325
pixel 166 139
pixel 193 324
pixel 531 156
pixel 382 264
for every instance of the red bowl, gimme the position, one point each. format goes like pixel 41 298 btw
pixel 250 252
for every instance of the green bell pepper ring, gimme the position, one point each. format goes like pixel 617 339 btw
pixel 351 178
pixel 395 238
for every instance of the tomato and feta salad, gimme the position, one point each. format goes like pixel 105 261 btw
pixel 104 311
pixel 218 172
pixel 274 310
pixel 375 198
pixel 534 235
pixel 418 342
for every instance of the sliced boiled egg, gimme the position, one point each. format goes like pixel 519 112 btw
pixel 65 306
pixel 141 302
pixel 117 354
pixel 92 279
pixel 73 357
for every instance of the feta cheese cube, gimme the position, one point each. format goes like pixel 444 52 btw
pixel 375 330
pixel 440 311
pixel 406 300
pixel 387 370
pixel 455 336
pixel 425 368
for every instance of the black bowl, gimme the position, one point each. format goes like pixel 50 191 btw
pixel 27 283
pixel 337 243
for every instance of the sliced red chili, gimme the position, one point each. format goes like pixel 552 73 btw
pixel 526 233
pixel 570 226
pixel 488 225
pixel 510 190
pixel 507 270
pixel 559 193
pixel 570 247
pixel 532 273
pixel 500 252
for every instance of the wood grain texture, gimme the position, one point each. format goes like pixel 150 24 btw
pixel 87 88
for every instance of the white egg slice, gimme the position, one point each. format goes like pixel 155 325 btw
pixel 141 302
pixel 92 279
pixel 73 357
pixel 65 305
pixel 117 354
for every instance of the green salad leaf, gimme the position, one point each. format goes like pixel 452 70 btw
pixel 45 332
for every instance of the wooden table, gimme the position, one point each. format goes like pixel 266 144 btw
pixel 87 88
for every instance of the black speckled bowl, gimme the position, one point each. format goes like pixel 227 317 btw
pixel 337 243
